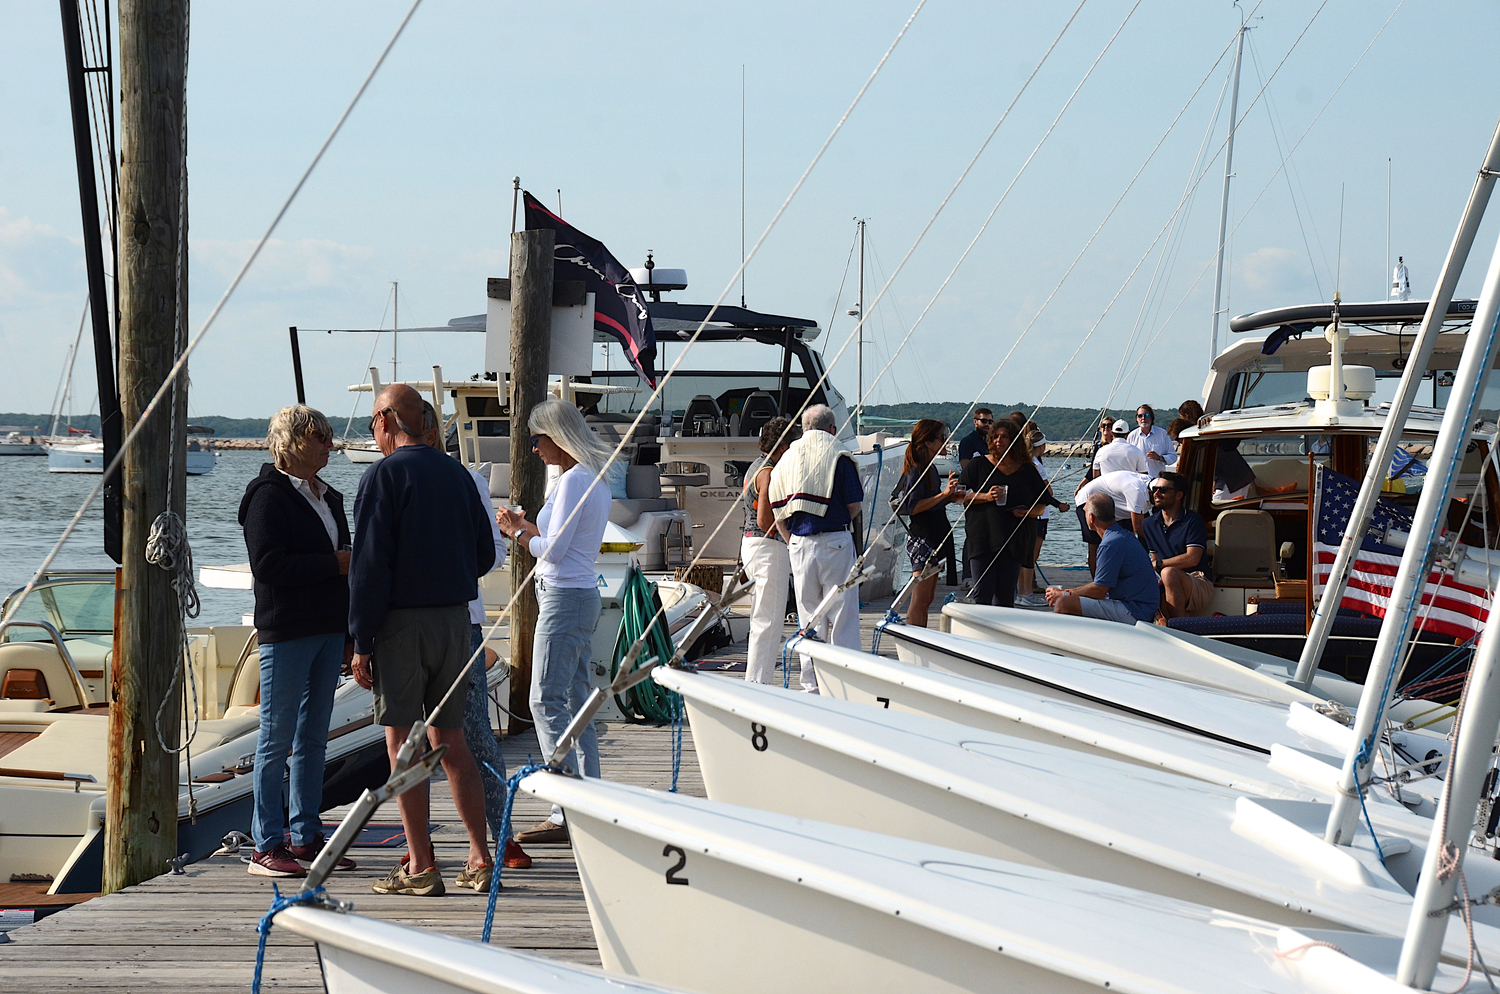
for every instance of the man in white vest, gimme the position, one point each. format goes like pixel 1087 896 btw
pixel 815 497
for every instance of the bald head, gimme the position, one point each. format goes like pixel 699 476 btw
pixel 405 427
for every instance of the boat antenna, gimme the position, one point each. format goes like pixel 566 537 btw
pixel 395 326
pixel 742 184
pixel 1388 216
pixel 1338 262
pixel 559 202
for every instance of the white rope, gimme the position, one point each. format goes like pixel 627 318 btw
pixel 181 364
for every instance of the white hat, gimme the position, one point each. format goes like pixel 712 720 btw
pixel 1121 428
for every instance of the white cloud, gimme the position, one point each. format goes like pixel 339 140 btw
pixel 296 266
pixel 1272 269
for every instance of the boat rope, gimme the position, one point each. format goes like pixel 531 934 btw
pixel 891 618
pixel 875 490
pixel 505 833
pixel 280 903
pixel 180 365
pixel 678 708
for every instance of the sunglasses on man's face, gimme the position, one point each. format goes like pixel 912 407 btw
pixel 1158 491
pixel 1143 417
pixel 984 421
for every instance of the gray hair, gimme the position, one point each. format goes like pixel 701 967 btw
pixel 1102 507
pixel 562 422
pixel 290 432
pixel 819 417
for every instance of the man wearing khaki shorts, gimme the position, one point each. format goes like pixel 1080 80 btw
pixel 1177 539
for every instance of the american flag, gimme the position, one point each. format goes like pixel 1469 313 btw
pixel 1448 607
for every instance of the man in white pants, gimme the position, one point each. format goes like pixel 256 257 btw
pixel 815 496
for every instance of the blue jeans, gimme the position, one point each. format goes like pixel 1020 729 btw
pixel 297 680
pixel 560 671
pixel 480 736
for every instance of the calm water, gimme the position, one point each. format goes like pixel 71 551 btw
pixel 35 507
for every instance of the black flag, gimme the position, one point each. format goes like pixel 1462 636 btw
pixel 619 308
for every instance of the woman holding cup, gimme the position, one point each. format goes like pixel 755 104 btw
pixel 1005 496
pixel 925 501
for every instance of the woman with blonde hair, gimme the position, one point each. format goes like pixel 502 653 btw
pixel 926 502
pixel 565 541
pixel 298 540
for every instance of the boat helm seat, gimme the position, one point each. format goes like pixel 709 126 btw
pixel 759 408
pixel 1245 549
pixel 54 674
pixel 703 417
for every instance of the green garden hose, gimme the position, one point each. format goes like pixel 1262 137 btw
pixel 639 604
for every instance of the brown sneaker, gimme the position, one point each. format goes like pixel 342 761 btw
pixel 279 862
pixel 515 857
pixel 428 883
pixel 543 833
pixel 476 877
pixel 307 854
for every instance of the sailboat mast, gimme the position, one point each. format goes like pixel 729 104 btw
pixel 859 328
pixel 395 326
pixel 1234 104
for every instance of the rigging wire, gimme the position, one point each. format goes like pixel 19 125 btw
pixel 692 340
pixel 168 383
pixel 1271 118
pixel 1306 131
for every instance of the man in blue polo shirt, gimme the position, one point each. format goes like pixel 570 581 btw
pixel 1177 540
pixel 1124 588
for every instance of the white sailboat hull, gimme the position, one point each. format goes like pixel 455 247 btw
pixel 795 906
pixel 1042 806
pixel 365 955
pixel 360 455
pixel 88 457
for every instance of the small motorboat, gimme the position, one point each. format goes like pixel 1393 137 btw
pixel 86 455
pixel 363 453
pixel 20 442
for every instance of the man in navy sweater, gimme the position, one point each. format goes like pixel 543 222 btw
pixel 421 541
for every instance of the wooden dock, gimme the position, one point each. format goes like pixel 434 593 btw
pixel 197 931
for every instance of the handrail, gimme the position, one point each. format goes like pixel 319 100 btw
pixel 62 650
pixel 253 640
pixel 77 779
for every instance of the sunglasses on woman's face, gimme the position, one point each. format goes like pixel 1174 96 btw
pixel 535 439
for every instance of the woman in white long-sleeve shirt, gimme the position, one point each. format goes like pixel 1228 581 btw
pixel 565 541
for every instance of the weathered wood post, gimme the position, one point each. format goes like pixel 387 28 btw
pixel 530 349
pixel 140 832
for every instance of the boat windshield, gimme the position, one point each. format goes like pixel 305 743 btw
pixel 74 606
pixel 729 388
pixel 1282 465
pixel 1256 388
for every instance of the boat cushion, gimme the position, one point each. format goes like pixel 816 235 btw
pixel 43 658
pixel 1344 626
pixel 72 744
pixel 24 685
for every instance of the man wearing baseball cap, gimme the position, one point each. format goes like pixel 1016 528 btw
pixel 1118 456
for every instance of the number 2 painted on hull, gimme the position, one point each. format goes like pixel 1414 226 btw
pixel 758 740
pixel 676 868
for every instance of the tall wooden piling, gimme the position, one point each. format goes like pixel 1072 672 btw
pixel 141 820
pixel 531 255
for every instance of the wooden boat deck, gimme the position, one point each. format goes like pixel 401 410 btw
pixel 196 931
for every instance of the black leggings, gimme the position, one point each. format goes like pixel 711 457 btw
pixel 995 579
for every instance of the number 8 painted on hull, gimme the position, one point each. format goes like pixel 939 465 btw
pixel 758 740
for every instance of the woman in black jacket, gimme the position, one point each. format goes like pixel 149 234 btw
pixel 1006 494
pixel 298 539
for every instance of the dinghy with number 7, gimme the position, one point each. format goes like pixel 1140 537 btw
pixel 805 907
pixel 1043 805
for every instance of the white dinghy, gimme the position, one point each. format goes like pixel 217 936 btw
pixel 804 907
pixel 1308 770
pixel 361 955
pixel 1149 648
pixel 1235 716
pixel 1046 806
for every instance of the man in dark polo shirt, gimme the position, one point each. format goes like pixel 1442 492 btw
pixel 1177 539
pixel 422 539
pixel 976 442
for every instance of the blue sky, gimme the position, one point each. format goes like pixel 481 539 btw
pixel 634 113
